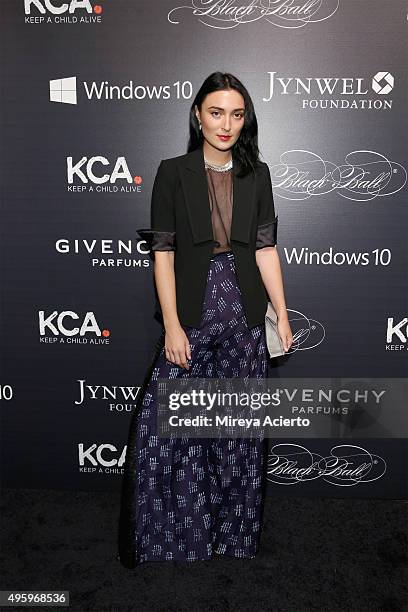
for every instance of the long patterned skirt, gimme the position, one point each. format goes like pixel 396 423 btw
pixel 185 499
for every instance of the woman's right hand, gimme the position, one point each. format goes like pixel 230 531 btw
pixel 177 346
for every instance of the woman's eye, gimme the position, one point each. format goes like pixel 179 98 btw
pixel 237 115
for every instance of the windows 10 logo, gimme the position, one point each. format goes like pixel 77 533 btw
pixel 63 90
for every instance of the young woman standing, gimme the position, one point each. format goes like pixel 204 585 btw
pixel 213 242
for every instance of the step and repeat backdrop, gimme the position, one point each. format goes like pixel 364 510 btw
pixel 94 96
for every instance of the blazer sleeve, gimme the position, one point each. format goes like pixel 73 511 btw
pixel 161 236
pixel 267 220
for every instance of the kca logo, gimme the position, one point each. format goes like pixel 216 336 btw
pixel 89 170
pixel 106 455
pixel 54 324
pixel 46 5
pixel 397 334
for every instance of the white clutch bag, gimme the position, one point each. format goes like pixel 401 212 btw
pixel 273 339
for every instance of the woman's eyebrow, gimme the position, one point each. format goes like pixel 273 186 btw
pixel 220 108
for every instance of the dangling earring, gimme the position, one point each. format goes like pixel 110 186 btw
pixel 199 126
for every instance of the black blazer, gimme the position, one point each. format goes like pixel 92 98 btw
pixel 181 221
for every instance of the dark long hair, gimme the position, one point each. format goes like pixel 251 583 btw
pixel 245 151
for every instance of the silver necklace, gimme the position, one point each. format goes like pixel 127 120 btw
pixel 223 168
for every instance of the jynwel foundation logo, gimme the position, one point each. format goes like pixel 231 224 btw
pixel 116 398
pixel 332 93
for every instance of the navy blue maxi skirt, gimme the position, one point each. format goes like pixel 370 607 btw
pixel 185 499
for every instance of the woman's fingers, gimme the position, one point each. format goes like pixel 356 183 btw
pixel 177 357
pixel 183 360
pixel 177 348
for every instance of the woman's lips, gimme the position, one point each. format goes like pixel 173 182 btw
pixel 223 137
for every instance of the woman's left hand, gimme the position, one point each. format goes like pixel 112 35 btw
pixel 285 332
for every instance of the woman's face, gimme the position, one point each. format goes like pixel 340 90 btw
pixel 222 114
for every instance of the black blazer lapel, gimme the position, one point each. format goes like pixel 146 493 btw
pixel 195 189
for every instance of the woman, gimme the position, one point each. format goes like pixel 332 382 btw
pixel 212 239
